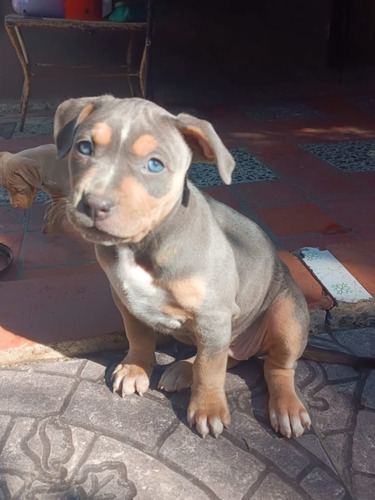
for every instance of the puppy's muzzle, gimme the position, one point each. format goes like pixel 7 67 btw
pixel 96 207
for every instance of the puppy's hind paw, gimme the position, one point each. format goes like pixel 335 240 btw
pixel 177 377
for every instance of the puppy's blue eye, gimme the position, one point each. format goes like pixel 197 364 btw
pixel 154 166
pixel 85 147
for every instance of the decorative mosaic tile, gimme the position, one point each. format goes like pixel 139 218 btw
pixel 13 107
pixel 333 275
pixel 36 126
pixel 41 197
pixel 285 111
pixel 349 156
pixel 366 104
pixel 248 169
pixel 7 128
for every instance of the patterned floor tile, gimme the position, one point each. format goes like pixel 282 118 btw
pixel 41 197
pixel 35 105
pixel 36 126
pixel 348 156
pixel 248 169
pixel 284 111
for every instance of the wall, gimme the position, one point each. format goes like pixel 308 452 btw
pixel 238 40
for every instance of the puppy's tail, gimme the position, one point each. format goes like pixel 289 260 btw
pixel 322 355
pixel 331 353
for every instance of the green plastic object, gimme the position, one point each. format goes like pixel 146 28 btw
pixel 128 14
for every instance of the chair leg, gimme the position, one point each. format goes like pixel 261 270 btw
pixel 24 101
pixel 19 46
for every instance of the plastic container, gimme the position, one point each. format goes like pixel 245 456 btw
pixel 90 10
pixel 39 8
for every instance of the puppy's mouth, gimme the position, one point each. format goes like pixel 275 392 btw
pixel 98 222
pixel 89 229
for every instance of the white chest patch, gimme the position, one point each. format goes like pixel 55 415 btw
pixel 135 287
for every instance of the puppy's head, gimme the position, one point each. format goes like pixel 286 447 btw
pixel 128 160
pixel 20 176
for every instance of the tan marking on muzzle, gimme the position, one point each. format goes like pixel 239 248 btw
pixel 82 184
pixel 140 211
pixel 144 145
pixel 101 134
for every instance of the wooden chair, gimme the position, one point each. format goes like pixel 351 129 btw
pixel 132 33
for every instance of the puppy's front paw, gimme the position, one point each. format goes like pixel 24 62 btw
pixel 177 377
pixel 289 416
pixel 128 379
pixel 209 412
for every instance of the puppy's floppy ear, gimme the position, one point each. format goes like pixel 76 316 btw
pixel 28 170
pixel 69 115
pixel 4 156
pixel 206 145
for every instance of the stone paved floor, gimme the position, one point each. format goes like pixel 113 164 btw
pixel 65 435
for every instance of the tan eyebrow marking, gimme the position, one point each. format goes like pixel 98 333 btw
pixel 85 113
pixel 144 145
pixel 101 134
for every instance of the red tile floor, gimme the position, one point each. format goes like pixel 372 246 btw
pixel 54 290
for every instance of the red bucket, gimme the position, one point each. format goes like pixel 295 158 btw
pixel 89 10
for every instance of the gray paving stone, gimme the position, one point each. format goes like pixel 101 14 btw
pixel 368 394
pixel 4 421
pixel 62 367
pixel 305 371
pixel 336 446
pixel 163 358
pixel 272 447
pixel 340 372
pixel 332 407
pixel 255 404
pixel 246 375
pixel 274 488
pixel 211 461
pixel 48 459
pixel 364 486
pixel 140 419
pixel 360 341
pixel 94 370
pixel 11 486
pixel 15 453
pixel 321 486
pixel 313 445
pixel 52 460
pixel 364 443
pixel 33 394
pixel 151 477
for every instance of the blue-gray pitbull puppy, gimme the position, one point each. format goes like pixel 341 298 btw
pixel 179 262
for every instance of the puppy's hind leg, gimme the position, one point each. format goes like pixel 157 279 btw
pixel 179 375
pixel 285 342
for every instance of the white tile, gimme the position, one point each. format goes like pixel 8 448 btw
pixel 334 276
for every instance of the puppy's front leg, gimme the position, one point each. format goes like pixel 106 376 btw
pixel 208 408
pixel 133 373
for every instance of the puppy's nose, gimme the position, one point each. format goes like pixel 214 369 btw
pixel 96 206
